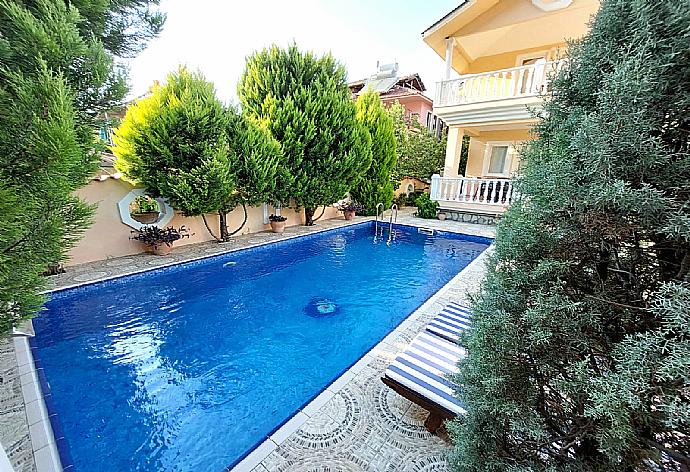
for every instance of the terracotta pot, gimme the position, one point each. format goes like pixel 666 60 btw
pixel 146 218
pixel 159 250
pixel 349 214
pixel 278 226
pixel 441 216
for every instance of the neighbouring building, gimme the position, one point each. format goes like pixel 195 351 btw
pixel 505 53
pixel 408 90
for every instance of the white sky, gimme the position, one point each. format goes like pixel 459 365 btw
pixel 215 36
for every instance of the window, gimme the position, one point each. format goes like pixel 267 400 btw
pixel 499 160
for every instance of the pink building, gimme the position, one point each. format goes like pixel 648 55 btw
pixel 408 90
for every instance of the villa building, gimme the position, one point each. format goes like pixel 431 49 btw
pixel 500 57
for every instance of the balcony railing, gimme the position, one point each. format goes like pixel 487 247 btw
pixel 525 81
pixel 472 190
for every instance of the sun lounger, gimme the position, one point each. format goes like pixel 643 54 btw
pixel 420 374
pixel 453 320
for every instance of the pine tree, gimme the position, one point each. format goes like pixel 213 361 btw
pixel 579 358
pixel 181 143
pixel 376 184
pixel 305 103
pixel 54 80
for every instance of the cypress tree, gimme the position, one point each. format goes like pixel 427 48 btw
pixel 376 184
pixel 181 143
pixel 579 358
pixel 305 103
pixel 54 80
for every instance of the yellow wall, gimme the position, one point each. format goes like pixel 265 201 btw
pixel 418 185
pixel 510 59
pixel 492 28
pixel 109 237
pixel 477 151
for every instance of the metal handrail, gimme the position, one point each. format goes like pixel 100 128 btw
pixel 390 225
pixel 376 225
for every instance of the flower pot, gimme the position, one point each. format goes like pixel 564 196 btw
pixel 159 250
pixel 441 216
pixel 278 226
pixel 146 218
pixel 349 214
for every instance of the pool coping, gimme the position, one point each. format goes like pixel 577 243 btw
pixel 53 453
pixel 42 434
pixel 249 461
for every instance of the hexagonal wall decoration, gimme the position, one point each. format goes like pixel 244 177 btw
pixel 166 211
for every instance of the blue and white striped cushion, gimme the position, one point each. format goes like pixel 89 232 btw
pixel 453 320
pixel 424 366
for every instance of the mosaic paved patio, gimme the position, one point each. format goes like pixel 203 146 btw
pixel 356 424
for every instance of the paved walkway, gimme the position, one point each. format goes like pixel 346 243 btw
pixel 356 424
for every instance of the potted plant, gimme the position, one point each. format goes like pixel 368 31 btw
pixel 159 240
pixel 277 223
pixel 349 210
pixel 144 209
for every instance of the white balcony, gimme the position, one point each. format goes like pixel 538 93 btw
pixel 517 82
pixel 472 194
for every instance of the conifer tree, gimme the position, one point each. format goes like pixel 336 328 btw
pixel 579 358
pixel 181 143
pixel 376 184
pixel 305 103
pixel 54 80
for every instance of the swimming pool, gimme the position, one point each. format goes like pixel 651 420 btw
pixel 188 367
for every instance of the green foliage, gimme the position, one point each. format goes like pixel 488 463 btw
pixel 123 26
pixel 419 153
pixel 305 103
pixel 181 143
pixel 376 185
pixel 144 204
pixel 426 207
pixel 580 350
pixel 54 80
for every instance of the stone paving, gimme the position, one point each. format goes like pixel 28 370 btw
pixel 360 425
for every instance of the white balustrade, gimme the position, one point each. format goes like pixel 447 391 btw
pixel 524 81
pixel 472 190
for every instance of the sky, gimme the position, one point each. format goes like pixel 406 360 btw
pixel 215 36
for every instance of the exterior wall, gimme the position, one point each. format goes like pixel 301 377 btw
pixel 511 59
pixel 414 105
pixel 477 158
pixel 109 237
pixel 418 185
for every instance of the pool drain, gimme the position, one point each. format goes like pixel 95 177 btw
pixel 320 307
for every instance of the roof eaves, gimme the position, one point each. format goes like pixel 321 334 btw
pixel 445 17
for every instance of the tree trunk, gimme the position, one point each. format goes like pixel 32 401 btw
pixel 223 219
pixel 318 217
pixel 308 216
pixel 244 207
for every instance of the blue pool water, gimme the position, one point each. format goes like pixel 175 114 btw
pixel 186 368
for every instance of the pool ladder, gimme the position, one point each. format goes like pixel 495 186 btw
pixel 391 233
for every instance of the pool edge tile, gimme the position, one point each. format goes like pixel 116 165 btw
pixel 290 426
pixel 254 458
pixel 45 453
pixel 315 405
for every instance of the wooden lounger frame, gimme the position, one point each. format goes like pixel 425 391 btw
pixel 437 414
